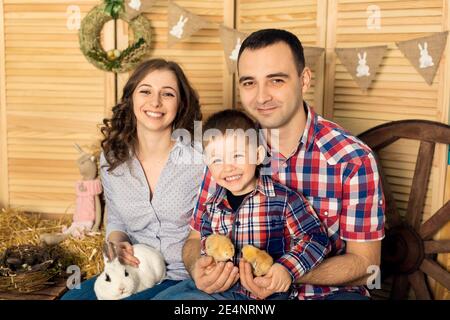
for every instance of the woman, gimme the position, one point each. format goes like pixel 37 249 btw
pixel 150 180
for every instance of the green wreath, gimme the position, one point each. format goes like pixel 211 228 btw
pixel 113 60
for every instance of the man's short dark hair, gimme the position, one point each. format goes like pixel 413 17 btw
pixel 266 37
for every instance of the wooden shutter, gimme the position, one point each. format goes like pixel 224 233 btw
pixel 52 99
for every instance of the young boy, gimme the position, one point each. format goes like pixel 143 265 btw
pixel 255 210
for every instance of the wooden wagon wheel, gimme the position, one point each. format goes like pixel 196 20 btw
pixel 408 249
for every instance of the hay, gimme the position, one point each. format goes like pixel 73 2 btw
pixel 22 228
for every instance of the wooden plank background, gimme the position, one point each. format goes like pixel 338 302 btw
pixel 54 98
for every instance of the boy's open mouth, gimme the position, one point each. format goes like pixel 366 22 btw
pixel 233 178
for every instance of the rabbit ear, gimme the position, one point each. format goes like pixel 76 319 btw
pixel 420 47
pixel 109 251
pixel 425 45
pixel 365 55
pixel 359 56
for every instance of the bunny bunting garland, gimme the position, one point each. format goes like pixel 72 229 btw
pixel 312 55
pixel 362 63
pixel 425 53
pixel 134 8
pixel 182 24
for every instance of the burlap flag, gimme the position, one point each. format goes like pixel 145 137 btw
pixel 182 24
pixel 425 53
pixel 133 8
pixel 231 42
pixel 362 63
pixel 312 55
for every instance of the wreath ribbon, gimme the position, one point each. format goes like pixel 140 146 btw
pixel 114 8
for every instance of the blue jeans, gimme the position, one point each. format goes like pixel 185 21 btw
pixel 186 290
pixel 86 292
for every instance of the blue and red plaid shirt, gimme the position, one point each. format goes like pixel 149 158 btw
pixel 273 218
pixel 338 175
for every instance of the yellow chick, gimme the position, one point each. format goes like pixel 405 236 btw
pixel 260 260
pixel 219 247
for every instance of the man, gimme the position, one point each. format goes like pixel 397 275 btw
pixel 334 170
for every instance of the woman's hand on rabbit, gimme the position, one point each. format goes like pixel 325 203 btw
pixel 125 254
pixel 212 277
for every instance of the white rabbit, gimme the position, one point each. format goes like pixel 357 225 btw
pixel 177 30
pixel 362 69
pixel 425 59
pixel 118 281
pixel 234 54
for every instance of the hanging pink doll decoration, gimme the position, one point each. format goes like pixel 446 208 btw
pixel 87 217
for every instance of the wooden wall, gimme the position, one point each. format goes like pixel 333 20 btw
pixel 51 98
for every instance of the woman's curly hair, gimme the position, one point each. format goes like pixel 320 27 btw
pixel 120 134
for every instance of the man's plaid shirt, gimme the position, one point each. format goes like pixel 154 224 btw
pixel 338 175
pixel 273 218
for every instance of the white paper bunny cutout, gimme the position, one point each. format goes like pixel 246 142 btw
pixel 177 30
pixel 374 19
pixel 425 59
pixel 234 54
pixel 74 19
pixel 135 4
pixel 363 69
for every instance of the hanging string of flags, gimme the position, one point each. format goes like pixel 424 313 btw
pixel 362 63
pixel 183 23
pixel 423 53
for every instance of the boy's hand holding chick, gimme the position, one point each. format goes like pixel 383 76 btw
pixel 280 278
pixel 276 275
pixel 275 279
